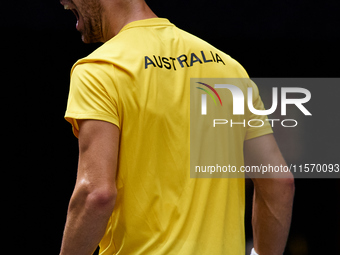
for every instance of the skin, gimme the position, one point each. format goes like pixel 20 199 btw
pixel 101 20
pixel 95 192
pixel 273 197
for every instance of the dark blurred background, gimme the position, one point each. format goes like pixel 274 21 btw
pixel 292 38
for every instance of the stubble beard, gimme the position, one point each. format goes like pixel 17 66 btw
pixel 92 14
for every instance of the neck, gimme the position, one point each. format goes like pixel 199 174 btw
pixel 119 13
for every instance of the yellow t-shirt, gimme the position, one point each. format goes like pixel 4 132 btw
pixel 140 81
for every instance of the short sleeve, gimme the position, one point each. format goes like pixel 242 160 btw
pixel 258 125
pixel 92 95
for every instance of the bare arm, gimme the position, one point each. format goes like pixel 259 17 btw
pixel 94 195
pixel 273 197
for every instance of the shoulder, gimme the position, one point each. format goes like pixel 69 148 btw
pixel 87 68
pixel 216 54
pixel 92 76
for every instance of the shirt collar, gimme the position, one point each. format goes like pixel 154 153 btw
pixel 147 23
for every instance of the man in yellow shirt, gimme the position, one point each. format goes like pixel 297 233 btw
pixel 129 105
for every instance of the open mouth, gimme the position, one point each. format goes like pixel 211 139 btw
pixel 75 12
pixel 70 6
pixel 73 9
